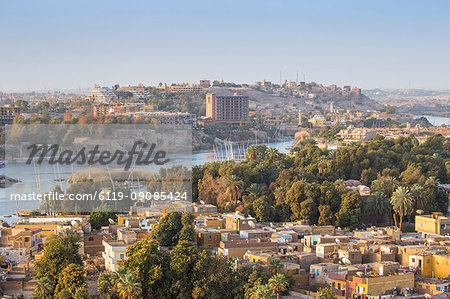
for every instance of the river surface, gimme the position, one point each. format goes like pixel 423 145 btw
pixel 436 120
pixel 48 174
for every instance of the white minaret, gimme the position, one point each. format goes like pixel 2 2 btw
pixel 331 107
pixel 299 117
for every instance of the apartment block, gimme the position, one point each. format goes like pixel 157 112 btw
pixel 228 109
pixel 7 114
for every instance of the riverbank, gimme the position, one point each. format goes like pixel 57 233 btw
pixel 435 120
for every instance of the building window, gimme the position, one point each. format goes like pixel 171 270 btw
pixel 122 255
pixel 413 260
pixel 428 261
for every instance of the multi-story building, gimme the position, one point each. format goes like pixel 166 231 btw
pixel 137 92
pixel 114 252
pixel 432 286
pixel 205 83
pixel 102 95
pixel 431 264
pixel 238 248
pixel 365 286
pixel 209 238
pixel 435 224
pixel 352 134
pixel 184 87
pixel 229 109
pixel 356 91
pixel 7 114
pixel 19 244
pixel 238 222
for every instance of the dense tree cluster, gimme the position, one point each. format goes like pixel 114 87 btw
pixel 186 272
pixel 59 272
pixel 172 228
pixel 309 183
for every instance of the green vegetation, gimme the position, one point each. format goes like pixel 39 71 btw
pixel 326 293
pixel 329 133
pixel 172 228
pixel 100 216
pixel 187 272
pixel 185 102
pixel 279 284
pixel 60 272
pixel 119 284
pixel 309 183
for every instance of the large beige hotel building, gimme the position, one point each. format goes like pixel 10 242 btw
pixel 230 109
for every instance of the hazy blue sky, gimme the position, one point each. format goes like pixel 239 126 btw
pixel 71 44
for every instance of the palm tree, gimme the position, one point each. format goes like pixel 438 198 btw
pixel 272 155
pixel 418 195
pixel 339 183
pixel 432 180
pixel 279 283
pixel 44 288
pixel 261 291
pixel 81 293
pixel 378 204
pixel 129 287
pixel 118 276
pixel 234 188
pixel 65 294
pixel 401 204
pixel 69 236
pixel 275 267
pixel 385 184
pixel 105 285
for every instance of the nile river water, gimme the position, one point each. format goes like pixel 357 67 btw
pixel 47 175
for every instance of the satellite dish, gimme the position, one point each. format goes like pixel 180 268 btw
pixel 252 224
pixel 202 202
pixel 346 261
pixel 111 221
pixel 74 223
pixel 420 212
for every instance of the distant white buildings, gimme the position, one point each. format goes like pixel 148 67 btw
pixel 105 95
